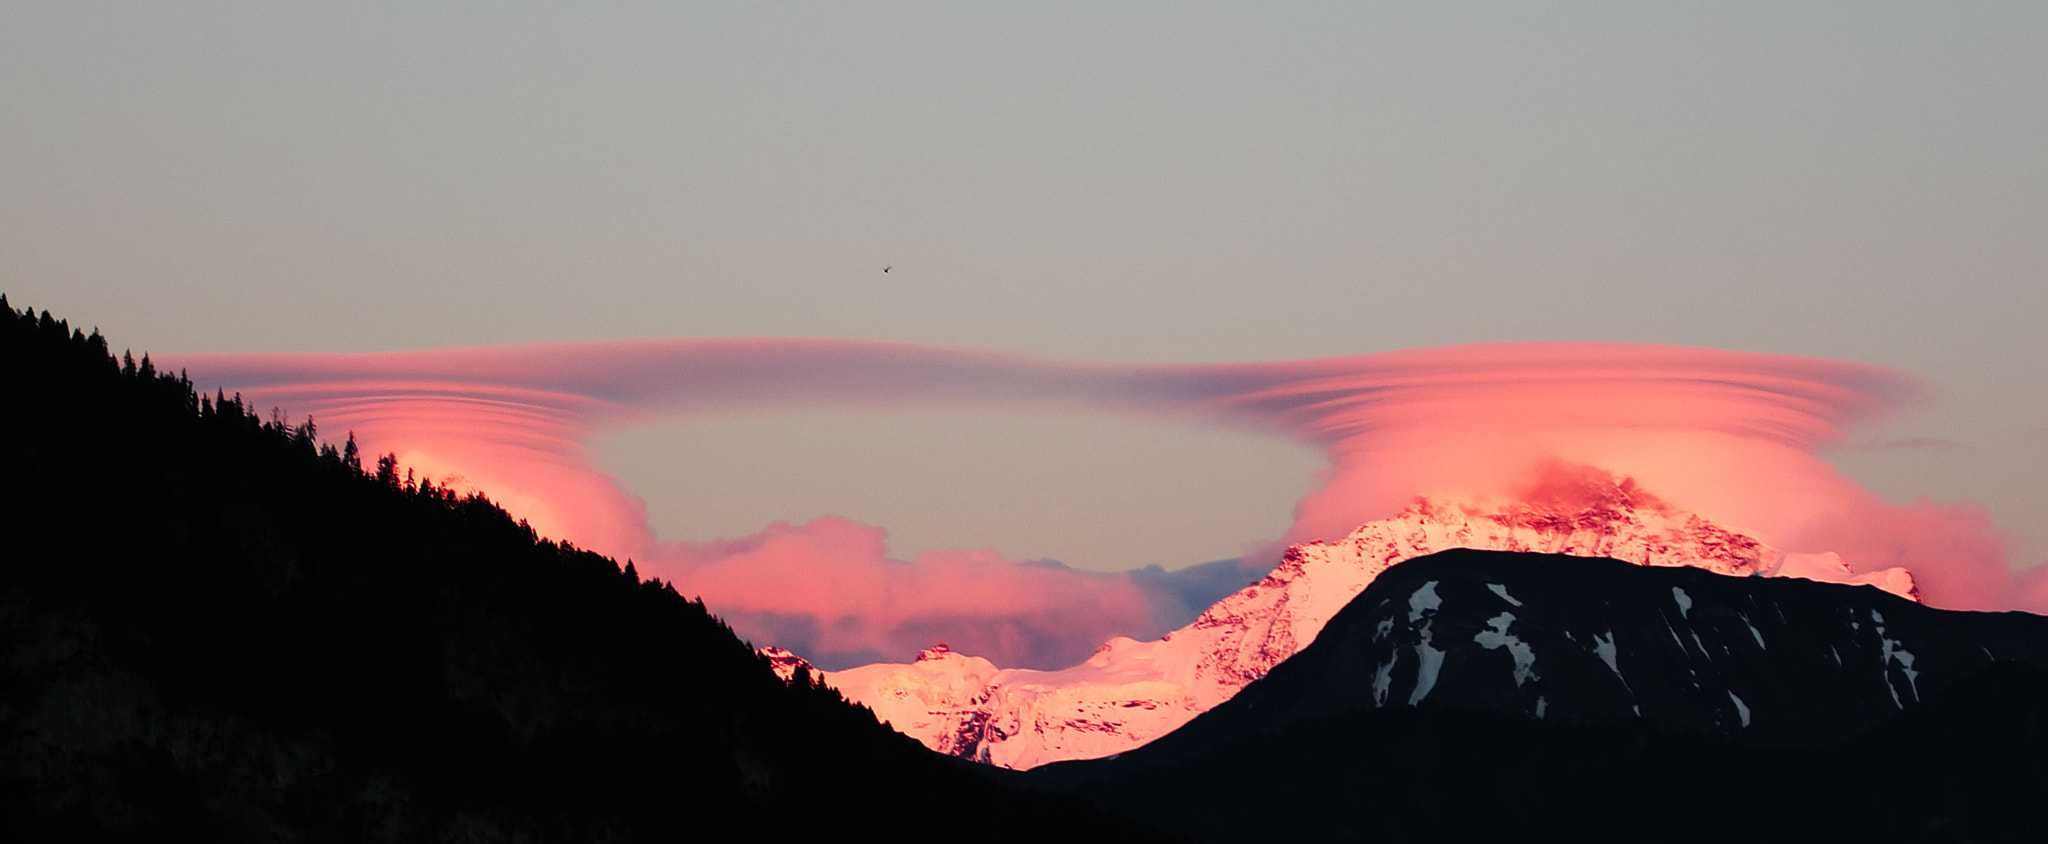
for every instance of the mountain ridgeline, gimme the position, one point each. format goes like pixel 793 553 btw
pixel 1485 695
pixel 217 627
pixel 1129 693
pixel 1771 660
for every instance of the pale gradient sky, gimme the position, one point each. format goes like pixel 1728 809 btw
pixel 1172 182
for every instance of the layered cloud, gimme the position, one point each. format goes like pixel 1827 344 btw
pixel 827 587
pixel 1733 436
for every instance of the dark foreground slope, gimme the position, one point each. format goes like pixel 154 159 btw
pixel 215 629
pixel 1551 636
pixel 1838 739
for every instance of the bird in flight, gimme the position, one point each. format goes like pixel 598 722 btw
pixel 888 268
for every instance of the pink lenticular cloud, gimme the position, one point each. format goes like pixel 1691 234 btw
pixel 1730 435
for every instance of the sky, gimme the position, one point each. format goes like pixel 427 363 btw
pixel 1099 183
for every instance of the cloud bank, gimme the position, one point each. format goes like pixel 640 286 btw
pixel 1733 436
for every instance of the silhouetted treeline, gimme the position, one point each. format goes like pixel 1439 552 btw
pixel 215 624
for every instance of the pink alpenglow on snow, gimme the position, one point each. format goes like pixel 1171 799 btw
pixel 1129 692
pixel 1732 436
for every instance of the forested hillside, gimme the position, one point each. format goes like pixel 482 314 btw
pixel 219 624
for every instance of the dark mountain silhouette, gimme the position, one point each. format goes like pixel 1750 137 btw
pixel 215 627
pixel 1543 635
pixel 1334 743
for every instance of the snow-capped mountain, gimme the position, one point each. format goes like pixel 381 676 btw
pixel 1578 639
pixel 1130 692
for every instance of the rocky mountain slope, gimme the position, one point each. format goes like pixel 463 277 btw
pixel 1569 638
pixel 1474 695
pixel 1130 692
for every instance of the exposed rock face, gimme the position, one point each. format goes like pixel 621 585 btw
pixel 1131 692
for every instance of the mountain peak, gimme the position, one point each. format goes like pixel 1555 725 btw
pixel 1130 692
pixel 1561 487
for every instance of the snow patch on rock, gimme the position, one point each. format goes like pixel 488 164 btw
pixel 1496 636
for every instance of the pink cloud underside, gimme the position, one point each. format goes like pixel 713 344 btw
pixel 1730 435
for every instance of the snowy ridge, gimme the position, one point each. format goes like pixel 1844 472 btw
pixel 785 663
pixel 1130 692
